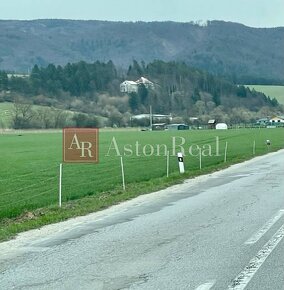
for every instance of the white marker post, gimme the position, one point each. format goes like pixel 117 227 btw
pixel 268 143
pixel 200 159
pixel 122 173
pixel 180 162
pixel 60 184
pixel 253 148
pixel 168 163
pixel 151 118
pixel 226 149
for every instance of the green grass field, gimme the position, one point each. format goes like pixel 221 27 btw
pixel 30 168
pixel 276 92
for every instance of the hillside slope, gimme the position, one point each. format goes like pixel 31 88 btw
pixel 246 54
pixel 276 92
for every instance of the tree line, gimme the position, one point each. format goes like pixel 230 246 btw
pixel 93 89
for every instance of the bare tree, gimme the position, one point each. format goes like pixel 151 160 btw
pixel 60 118
pixel 46 117
pixel 22 115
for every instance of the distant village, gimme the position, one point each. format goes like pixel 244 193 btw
pixel 164 121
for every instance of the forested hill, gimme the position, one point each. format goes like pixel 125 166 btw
pixel 94 88
pixel 244 54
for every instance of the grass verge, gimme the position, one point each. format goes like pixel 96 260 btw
pixel 10 227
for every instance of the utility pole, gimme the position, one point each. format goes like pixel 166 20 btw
pixel 151 119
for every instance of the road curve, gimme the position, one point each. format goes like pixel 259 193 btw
pixel 220 231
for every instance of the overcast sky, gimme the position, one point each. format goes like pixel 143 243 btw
pixel 256 13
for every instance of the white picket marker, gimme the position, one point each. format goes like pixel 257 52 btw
pixel 122 173
pixel 253 148
pixel 180 162
pixel 168 163
pixel 60 184
pixel 200 159
pixel 226 149
pixel 268 143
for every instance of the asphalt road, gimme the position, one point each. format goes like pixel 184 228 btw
pixel 220 231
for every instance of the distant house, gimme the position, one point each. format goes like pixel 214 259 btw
pixel 158 126
pixel 276 120
pixel 262 121
pixel 23 76
pixel 132 87
pixel 177 127
pixel 129 87
pixel 212 124
pixel 148 84
pixel 158 121
pixel 156 117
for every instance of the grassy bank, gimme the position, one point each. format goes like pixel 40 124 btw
pixel 30 164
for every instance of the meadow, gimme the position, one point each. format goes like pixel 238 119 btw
pixel 29 172
pixel 276 92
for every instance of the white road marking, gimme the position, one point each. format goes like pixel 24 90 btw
pixel 206 286
pixel 242 280
pixel 257 236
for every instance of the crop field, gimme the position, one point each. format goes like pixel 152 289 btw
pixel 30 162
pixel 276 92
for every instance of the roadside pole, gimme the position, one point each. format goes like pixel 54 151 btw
pixel 268 143
pixel 180 162
pixel 226 149
pixel 122 173
pixel 168 163
pixel 60 185
pixel 151 118
pixel 200 159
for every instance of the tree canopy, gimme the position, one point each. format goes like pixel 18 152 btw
pixel 94 88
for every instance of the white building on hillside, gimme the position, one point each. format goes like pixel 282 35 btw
pixel 129 87
pixel 157 117
pixel 148 84
pixel 132 87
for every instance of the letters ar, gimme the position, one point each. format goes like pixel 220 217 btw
pixel 85 146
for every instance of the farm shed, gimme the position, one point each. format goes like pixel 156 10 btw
pixel 178 127
pixel 221 126
pixel 276 119
pixel 158 126
pixel 212 124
